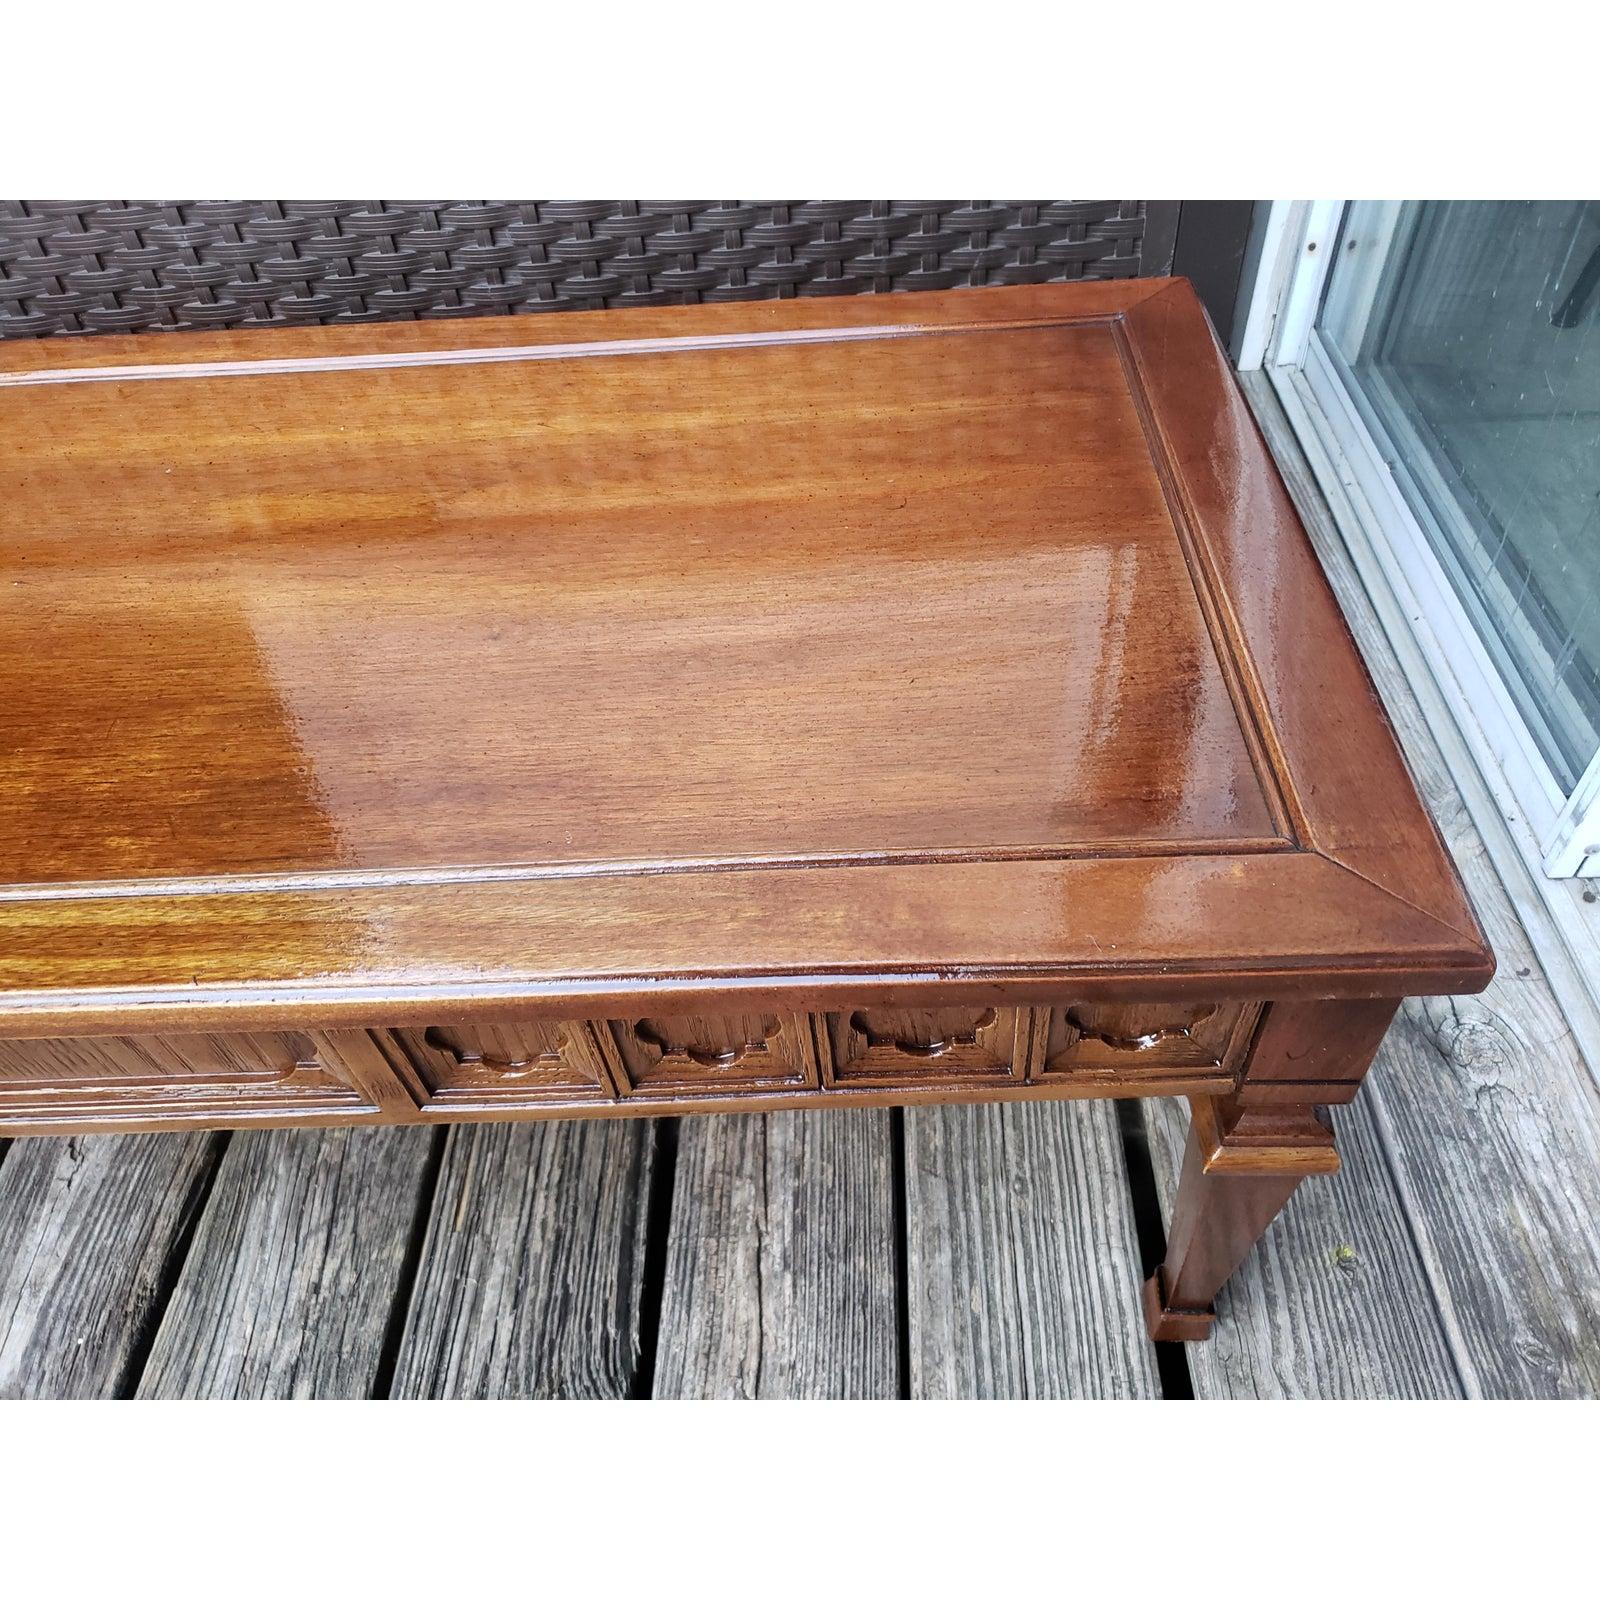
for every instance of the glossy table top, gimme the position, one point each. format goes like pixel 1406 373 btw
pixel 725 645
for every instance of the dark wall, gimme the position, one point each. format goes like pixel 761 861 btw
pixel 1210 250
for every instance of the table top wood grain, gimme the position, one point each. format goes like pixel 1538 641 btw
pixel 788 650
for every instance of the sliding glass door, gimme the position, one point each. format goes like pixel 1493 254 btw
pixel 1452 350
pixel 1467 333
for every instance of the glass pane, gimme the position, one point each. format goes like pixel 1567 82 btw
pixel 1467 332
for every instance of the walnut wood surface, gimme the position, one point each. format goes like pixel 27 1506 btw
pixel 728 603
pixel 212 1077
pixel 737 653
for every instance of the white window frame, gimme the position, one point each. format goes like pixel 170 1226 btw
pixel 1558 833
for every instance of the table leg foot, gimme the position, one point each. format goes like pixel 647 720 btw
pixel 1169 1326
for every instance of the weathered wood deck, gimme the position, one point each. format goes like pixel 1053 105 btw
pixel 974 1251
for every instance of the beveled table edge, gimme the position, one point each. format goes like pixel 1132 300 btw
pixel 980 932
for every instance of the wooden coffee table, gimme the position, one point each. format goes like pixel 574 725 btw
pixel 811 703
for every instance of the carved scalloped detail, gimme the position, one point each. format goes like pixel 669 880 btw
pixel 501 1066
pixel 703 1055
pixel 1139 1041
pixel 860 1022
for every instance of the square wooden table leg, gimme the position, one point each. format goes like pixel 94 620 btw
pixel 1224 1204
pixel 1247 1152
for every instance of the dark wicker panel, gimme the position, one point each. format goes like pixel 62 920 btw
pixel 76 266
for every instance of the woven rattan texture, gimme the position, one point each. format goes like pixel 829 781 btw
pixel 80 266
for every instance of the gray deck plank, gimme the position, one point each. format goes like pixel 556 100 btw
pixel 1496 1146
pixel 88 1228
pixel 288 1287
pixel 532 1268
pixel 1023 1256
pixel 1486 1109
pixel 780 1280
pixel 1334 1303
